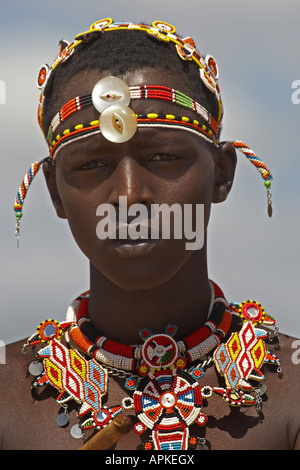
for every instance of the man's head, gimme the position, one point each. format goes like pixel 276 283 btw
pixel 160 164
pixel 173 157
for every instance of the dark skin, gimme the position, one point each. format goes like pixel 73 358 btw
pixel 132 289
pixel 181 168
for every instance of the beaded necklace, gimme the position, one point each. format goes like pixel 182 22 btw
pixel 167 377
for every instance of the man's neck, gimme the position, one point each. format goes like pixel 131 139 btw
pixel 184 301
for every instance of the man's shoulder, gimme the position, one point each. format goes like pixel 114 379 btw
pixel 288 353
pixel 28 416
pixel 287 392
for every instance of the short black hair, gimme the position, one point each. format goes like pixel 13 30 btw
pixel 119 52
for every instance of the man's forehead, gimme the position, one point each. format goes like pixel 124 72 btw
pixel 83 82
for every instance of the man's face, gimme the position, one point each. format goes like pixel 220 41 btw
pixel 156 166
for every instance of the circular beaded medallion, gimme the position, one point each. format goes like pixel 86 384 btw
pixel 42 76
pixel 101 24
pixel 160 351
pixel 164 27
pixel 174 398
pixel 48 330
pixel 212 65
pixel 253 311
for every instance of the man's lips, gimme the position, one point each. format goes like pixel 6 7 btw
pixel 134 239
pixel 134 231
pixel 134 248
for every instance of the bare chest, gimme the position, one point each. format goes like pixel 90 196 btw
pixel 32 419
pixel 36 421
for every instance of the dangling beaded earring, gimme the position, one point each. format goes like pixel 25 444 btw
pixel 261 167
pixel 18 206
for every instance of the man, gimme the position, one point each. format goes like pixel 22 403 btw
pixel 133 113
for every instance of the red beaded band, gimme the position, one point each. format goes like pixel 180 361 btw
pixel 136 92
pixel 90 341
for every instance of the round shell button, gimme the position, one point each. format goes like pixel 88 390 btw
pixel 118 123
pixel 109 91
pixel 168 400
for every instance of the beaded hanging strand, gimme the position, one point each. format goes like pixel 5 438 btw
pixel 22 192
pixel 261 167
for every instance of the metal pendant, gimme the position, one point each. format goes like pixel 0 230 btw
pixel 76 431
pixel 36 368
pixel 62 420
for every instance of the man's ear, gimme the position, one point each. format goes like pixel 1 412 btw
pixel 50 176
pixel 225 162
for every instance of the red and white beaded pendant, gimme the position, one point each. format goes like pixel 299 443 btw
pixel 164 27
pixel 167 400
pixel 42 76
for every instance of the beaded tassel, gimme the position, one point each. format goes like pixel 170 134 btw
pixel 23 189
pixel 261 167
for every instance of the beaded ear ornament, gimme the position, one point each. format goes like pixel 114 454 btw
pixel 111 97
pixel 165 376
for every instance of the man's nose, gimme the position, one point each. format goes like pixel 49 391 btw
pixel 130 179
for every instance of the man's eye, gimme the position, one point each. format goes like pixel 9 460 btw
pixel 93 165
pixel 164 158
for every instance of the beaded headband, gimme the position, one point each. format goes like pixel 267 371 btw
pixel 162 31
pixel 111 97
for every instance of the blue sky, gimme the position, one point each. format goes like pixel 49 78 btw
pixel 250 256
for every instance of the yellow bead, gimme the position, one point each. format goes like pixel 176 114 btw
pixel 152 116
pixel 170 116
